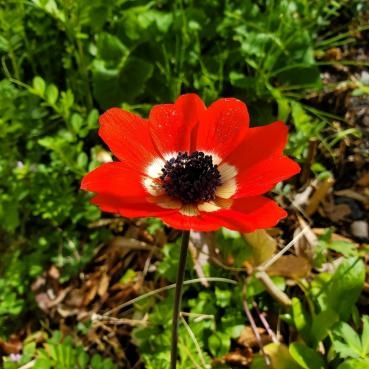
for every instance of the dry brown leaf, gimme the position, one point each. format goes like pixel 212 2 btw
pixel 262 244
pixel 352 194
pixel 103 285
pixel 247 337
pixel 12 346
pixel 54 272
pixel 364 180
pixel 238 358
pixel 43 301
pixel 321 192
pixel 76 298
pixel 290 266
pixel 305 245
pixel 337 212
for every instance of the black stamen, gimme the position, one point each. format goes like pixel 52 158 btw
pixel 191 178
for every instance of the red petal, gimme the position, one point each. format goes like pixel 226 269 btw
pixel 139 208
pixel 223 126
pixel 171 125
pixel 199 223
pixel 119 189
pixel 263 176
pixel 116 179
pixel 249 214
pixel 259 144
pixel 127 136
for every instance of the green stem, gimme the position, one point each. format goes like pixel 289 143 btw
pixel 178 298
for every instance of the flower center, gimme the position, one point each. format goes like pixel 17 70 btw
pixel 190 178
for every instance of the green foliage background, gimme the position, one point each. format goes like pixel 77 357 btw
pixel 63 62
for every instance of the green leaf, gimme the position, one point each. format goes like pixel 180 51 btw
pixel 223 297
pixel 322 323
pixel 39 85
pixel 51 94
pixel 42 363
pixel 344 288
pixel 110 47
pixel 219 344
pixel 306 357
pixel 355 364
pixel 350 337
pixel 344 350
pixel 133 76
pixel 365 336
pixel 82 359
pixel 301 319
pixel 280 357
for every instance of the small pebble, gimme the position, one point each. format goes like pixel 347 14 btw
pixel 364 78
pixel 360 229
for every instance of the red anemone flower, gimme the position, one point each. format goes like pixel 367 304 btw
pixel 193 167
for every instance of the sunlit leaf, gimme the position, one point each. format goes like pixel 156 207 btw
pixel 306 357
pixel 280 356
pixel 262 245
pixel 342 291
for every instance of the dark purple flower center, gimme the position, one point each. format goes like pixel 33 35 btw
pixel 190 178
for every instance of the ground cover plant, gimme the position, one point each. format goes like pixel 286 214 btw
pixel 85 289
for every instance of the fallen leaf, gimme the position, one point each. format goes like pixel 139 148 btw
pixel 247 337
pixel 318 196
pixel 290 266
pixel 352 195
pixel 337 212
pixel 237 358
pixel 262 244
pixel 12 346
pixel 364 180
pixel 103 285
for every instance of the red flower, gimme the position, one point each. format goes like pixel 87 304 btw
pixel 194 167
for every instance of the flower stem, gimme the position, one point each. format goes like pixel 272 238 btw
pixel 178 298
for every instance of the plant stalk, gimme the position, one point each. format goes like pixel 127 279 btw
pixel 178 298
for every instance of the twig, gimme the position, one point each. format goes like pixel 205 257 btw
pixel 313 144
pixel 266 325
pixel 196 343
pixel 272 260
pixel 166 288
pixel 273 290
pixel 253 326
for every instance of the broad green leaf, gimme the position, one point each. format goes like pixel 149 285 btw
pixel 51 94
pixel 133 76
pixel 39 85
pixel 110 48
pixel 219 343
pixel 322 323
pixel 262 245
pixel 113 86
pixel 281 357
pixel 343 289
pixel 306 357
